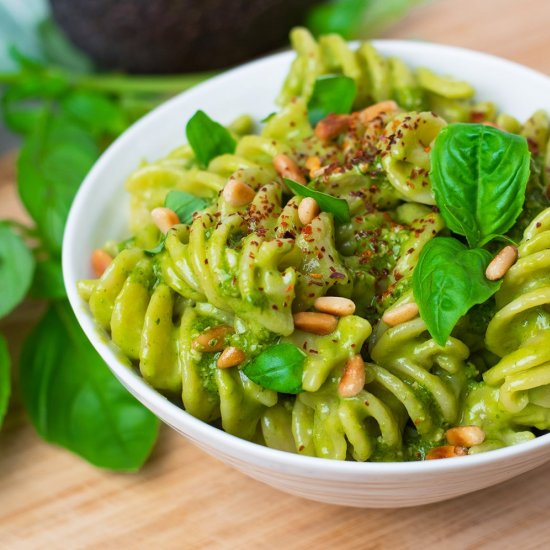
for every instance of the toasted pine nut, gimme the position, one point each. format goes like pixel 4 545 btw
pixel 316 323
pixel 335 305
pixel 100 261
pixel 313 164
pixel 287 168
pixel 446 451
pixel 353 378
pixel 372 111
pixel 332 126
pixel 501 263
pixel 400 314
pixel 164 218
pixel 230 357
pixel 238 193
pixel 307 210
pixel 465 436
pixel 213 339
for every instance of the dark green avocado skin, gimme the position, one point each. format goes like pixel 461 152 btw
pixel 172 36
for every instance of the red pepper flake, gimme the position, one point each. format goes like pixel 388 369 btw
pixel 337 276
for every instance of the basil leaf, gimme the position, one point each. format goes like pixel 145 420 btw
pixel 327 203
pixel 208 138
pixel 16 269
pixel 479 175
pixel 447 281
pixel 73 399
pixel 48 280
pixel 278 368
pixel 53 162
pixel 268 117
pixel 97 113
pixel 337 16
pixel 332 94
pixel 184 205
pixel 157 249
pixel 5 385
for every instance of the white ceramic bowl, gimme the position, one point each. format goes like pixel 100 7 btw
pixel 96 217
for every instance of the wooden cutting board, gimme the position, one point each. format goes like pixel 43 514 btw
pixel 185 499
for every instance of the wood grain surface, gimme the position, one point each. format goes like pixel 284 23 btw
pixel 185 499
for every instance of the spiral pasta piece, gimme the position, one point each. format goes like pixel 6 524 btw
pixel 426 379
pixel 520 331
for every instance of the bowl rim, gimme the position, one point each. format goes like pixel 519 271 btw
pixel 175 415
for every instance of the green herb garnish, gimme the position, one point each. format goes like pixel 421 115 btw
pixel 338 207
pixel 278 368
pixel 447 281
pixel 479 176
pixel 208 138
pixel 332 94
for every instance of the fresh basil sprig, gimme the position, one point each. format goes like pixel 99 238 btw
pixel 338 207
pixel 5 387
pixel 479 175
pixel 16 269
pixel 332 94
pixel 208 138
pixel 100 421
pixel 278 368
pixel 447 281
pixel 184 204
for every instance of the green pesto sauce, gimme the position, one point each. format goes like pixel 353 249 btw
pixel 207 368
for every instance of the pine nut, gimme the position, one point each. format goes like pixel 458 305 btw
pixel 370 113
pixel 212 340
pixel 316 323
pixel 307 210
pixel 313 164
pixel 287 168
pixel 465 436
pixel 230 357
pixel 164 218
pixel 335 305
pixel 353 378
pixel 100 261
pixel 400 314
pixel 501 263
pixel 446 451
pixel 332 126
pixel 238 193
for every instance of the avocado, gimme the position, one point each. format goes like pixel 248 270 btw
pixel 173 36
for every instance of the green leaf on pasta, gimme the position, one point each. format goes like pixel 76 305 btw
pixel 5 385
pixel 447 281
pixel 278 368
pixel 184 204
pixel 208 138
pixel 16 269
pixel 73 399
pixel 479 175
pixel 332 94
pixel 327 203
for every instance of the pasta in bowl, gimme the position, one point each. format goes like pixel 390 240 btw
pixel 280 284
